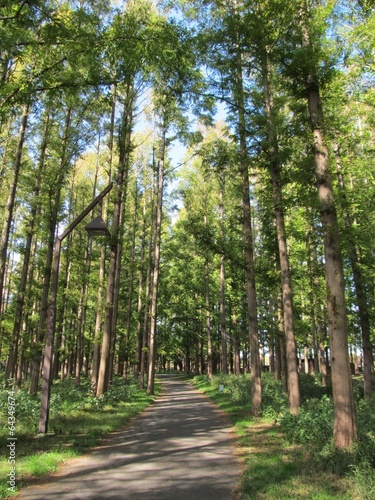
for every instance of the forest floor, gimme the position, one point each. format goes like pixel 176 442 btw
pixel 146 458
pixel 274 469
pixel 181 447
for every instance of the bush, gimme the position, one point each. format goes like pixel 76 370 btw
pixel 275 400
pixel 238 388
pixel 313 424
pixel 66 398
pixel 366 431
pixel 364 476
pixel 311 387
pixel 27 410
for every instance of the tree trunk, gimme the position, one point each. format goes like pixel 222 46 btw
pixel 345 426
pixel 362 302
pixel 54 200
pixel 223 332
pixel 210 368
pixel 146 317
pixel 156 263
pixel 140 305
pixel 125 136
pixel 155 280
pixel 8 220
pixel 256 384
pixel 286 282
pixel 131 285
pixel 102 263
pixel 116 288
pixel 81 317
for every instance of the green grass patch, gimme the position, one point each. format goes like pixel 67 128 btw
pixel 281 465
pixel 77 422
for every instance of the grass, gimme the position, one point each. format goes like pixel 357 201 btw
pixel 285 457
pixel 77 422
pixel 275 469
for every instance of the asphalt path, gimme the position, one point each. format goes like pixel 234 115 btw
pixel 180 448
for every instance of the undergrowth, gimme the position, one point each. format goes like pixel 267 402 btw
pixel 77 421
pixel 311 430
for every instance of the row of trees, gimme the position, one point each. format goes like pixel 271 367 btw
pixel 267 257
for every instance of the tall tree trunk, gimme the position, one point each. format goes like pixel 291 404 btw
pixel 362 302
pixel 210 367
pixel 345 425
pixel 8 220
pixel 131 285
pixel 61 334
pixel 54 200
pixel 138 348
pixel 146 316
pixel 102 263
pixel 61 317
pixel 109 326
pixel 281 341
pixel 81 316
pixel 256 384
pixel 18 315
pixel 286 282
pixel 155 280
pixel 116 288
pixel 223 331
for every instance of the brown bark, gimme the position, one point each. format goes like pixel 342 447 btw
pixel 94 373
pixel 223 331
pixel 146 316
pixel 131 285
pixel 210 368
pixel 81 318
pixel 345 426
pixel 256 385
pixel 113 268
pixel 286 282
pixel 54 199
pixel 362 302
pixel 8 220
pixel 156 267
pixel 139 339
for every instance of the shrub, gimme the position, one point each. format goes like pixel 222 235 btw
pixel 275 400
pixel 366 431
pixel 238 388
pixel 311 387
pixel 313 424
pixel 364 476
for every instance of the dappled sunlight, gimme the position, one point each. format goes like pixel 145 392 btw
pixel 274 469
pixel 179 447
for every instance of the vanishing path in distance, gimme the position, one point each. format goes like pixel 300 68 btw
pixel 179 448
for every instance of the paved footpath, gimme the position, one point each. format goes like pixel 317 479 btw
pixel 180 448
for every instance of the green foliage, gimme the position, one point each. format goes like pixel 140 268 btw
pixel 238 388
pixel 313 424
pixel 311 429
pixel 364 476
pixel 273 468
pixel 27 410
pixel 77 421
pixel 275 400
pixel 311 387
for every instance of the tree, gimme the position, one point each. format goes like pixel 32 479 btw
pixel 344 411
